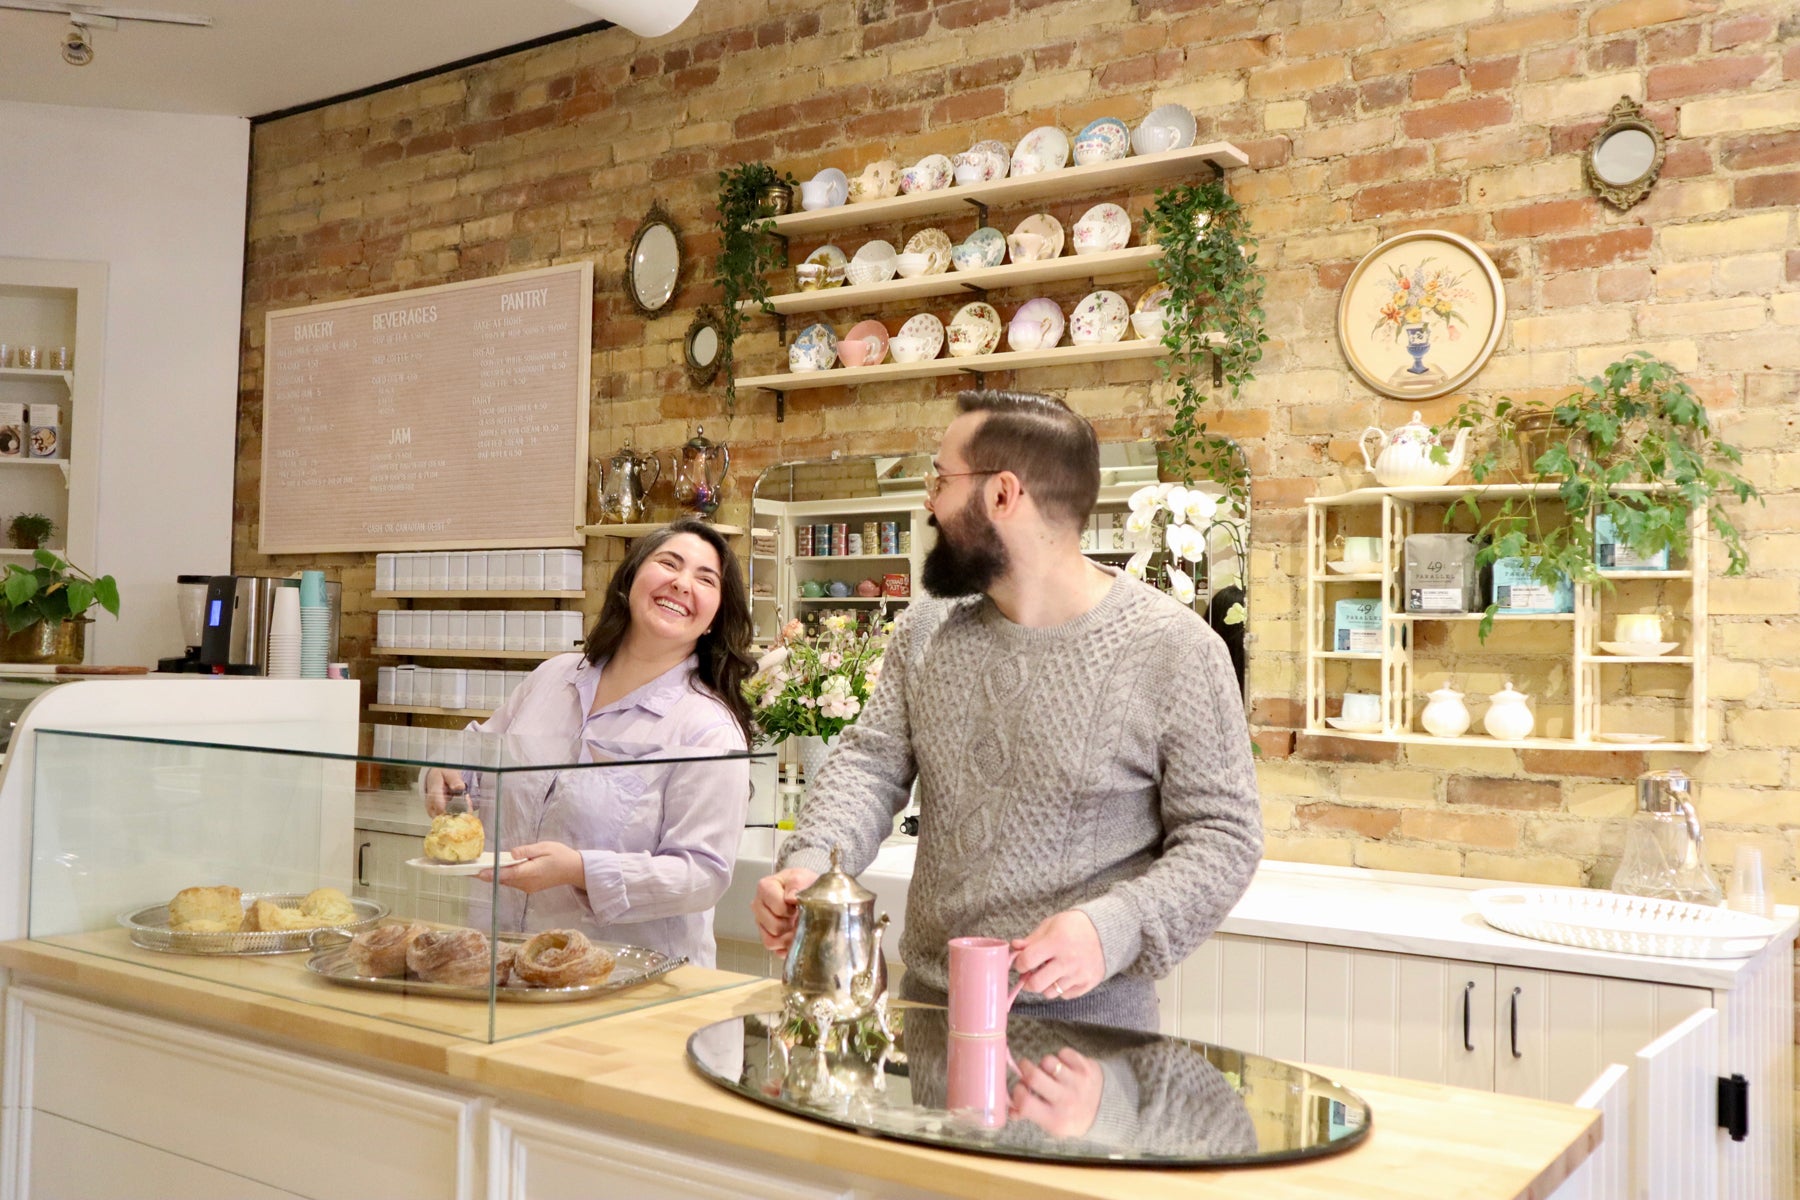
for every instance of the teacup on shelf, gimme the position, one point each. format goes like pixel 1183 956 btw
pixel 911 265
pixel 906 348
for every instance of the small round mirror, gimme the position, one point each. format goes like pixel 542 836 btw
pixel 653 267
pixel 1625 157
pixel 703 346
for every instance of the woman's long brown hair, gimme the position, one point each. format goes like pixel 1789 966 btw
pixel 723 650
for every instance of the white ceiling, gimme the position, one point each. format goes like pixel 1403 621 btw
pixel 261 56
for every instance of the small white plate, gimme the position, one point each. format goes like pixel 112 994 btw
pixel 1630 739
pixel 1638 649
pixel 1355 568
pixel 1353 726
pixel 486 862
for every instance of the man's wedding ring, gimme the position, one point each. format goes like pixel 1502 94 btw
pixel 1056 990
pixel 1056 1068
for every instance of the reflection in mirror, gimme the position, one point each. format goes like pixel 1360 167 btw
pixel 702 347
pixel 653 266
pixel 1625 157
pixel 851 534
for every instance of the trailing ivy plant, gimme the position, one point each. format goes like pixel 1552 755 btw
pixel 1638 448
pixel 1212 322
pixel 746 253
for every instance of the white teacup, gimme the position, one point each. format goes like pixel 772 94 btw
pixel 906 348
pixel 1362 708
pixel 1362 550
pixel 1637 627
pixel 816 194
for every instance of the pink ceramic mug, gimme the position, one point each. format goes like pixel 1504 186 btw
pixel 979 999
pixel 976 1079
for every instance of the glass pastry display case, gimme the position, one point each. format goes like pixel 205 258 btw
pixel 584 871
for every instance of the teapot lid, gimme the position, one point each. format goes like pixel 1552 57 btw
pixel 1448 689
pixel 623 455
pixel 836 888
pixel 1415 430
pixel 1507 694
pixel 699 442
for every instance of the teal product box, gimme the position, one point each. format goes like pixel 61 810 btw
pixel 1356 626
pixel 1612 554
pixel 1516 590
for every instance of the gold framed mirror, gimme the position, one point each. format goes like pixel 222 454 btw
pixel 702 347
pixel 653 265
pixel 1625 157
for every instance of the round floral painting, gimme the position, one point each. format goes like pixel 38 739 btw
pixel 1420 314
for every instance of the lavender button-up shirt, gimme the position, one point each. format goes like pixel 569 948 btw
pixel 658 840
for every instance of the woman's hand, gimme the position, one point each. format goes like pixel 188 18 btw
pixel 542 865
pixel 440 784
pixel 1060 1095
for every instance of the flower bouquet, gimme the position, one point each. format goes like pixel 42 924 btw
pixel 1174 525
pixel 815 685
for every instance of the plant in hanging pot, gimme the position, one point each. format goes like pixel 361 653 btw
pixel 750 195
pixel 45 606
pixel 812 686
pixel 29 531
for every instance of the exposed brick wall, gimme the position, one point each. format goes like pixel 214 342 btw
pixel 1361 121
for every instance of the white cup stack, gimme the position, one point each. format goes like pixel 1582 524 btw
pixel 315 626
pixel 285 634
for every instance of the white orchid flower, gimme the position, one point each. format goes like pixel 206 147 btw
pixel 1138 564
pixel 1196 547
pixel 1234 615
pixel 1202 507
pixel 1177 501
pixel 1182 585
pixel 1138 523
pixel 1143 499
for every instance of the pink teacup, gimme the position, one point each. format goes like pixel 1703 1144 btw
pixel 979 998
pixel 975 1077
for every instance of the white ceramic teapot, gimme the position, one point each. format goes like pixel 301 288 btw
pixel 1446 715
pixel 1508 717
pixel 1405 459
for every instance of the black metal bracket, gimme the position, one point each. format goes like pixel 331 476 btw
pixel 981 213
pixel 783 239
pixel 1218 371
pixel 780 407
pixel 1734 1106
pixel 781 329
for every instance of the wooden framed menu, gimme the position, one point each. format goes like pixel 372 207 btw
pixel 450 416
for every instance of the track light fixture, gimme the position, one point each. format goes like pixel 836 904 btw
pixel 77 49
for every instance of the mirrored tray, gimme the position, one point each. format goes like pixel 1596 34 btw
pixel 149 928
pixel 632 965
pixel 1046 1090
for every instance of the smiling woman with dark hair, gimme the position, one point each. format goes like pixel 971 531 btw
pixel 634 854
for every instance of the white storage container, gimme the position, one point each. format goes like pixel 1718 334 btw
pixel 439 638
pixel 459 631
pixel 493 630
pixel 405 684
pixel 406 573
pixel 439 579
pixel 458 578
pixel 384 629
pixel 534 631
pixel 512 631
pixel 453 688
pixel 475 565
pixel 531 575
pixel 384 687
pixel 384 572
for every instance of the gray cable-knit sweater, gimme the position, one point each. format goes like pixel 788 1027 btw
pixel 1102 765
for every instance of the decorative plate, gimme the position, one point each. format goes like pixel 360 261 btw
pixel 933 242
pixel 983 162
pixel 1045 148
pixel 873 332
pixel 840 184
pixel 1038 237
pixel 929 174
pixel 991 243
pixel 814 350
pixel 1038 325
pixel 1168 127
pixel 874 263
pixel 1100 317
pixel 1102 141
pixel 927 329
pixel 975 329
pixel 1155 298
pixel 827 256
pixel 878 181
pixel 1101 228
pixel 1638 649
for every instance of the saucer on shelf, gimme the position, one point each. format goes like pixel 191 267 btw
pixel 1638 649
pixel 1630 739
pixel 1349 726
pixel 1355 568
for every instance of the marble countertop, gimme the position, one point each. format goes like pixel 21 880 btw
pixel 392 812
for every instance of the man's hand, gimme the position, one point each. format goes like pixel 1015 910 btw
pixel 773 906
pixel 545 865
pixel 1060 1095
pixel 1061 958
pixel 440 784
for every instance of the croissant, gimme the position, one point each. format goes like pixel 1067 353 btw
pixel 381 953
pixel 459 956
pixel 561 958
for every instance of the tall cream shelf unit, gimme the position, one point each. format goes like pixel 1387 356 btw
pixel 789 570
pixel 886 218
pixel 47 303
pixel 1602 708
pixel 504 659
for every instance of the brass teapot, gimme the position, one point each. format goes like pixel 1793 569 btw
pixel 835 971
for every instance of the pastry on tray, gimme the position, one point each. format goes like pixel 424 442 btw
pixel 321 909
pixel 455 838
pixel 561 958
pixel 381 953
pixel 458 956
pixel 328 906
pixel 207 910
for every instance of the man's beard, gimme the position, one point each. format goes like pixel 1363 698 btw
pixel 969 555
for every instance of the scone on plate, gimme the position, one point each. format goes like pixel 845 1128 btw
pixel 207 910
pixel 455 838
pixel 328 906
pixel 266 916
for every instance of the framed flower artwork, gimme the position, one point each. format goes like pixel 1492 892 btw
pixel 1420 314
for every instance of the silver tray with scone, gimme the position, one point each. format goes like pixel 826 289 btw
pixel 336 962
pixel 291 919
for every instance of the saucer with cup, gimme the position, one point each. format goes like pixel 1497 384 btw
pixel 1361 713
pixel 1638 635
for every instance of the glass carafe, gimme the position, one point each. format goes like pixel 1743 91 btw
pixel 625 483
pixel 1664 848
pixel 700 467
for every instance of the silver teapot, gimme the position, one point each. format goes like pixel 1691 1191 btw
pixel 835 971
pixel 625 484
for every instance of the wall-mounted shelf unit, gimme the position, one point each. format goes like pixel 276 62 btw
pixel 640 528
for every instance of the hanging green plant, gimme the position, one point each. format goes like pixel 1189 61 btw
pixel 749 196
pixel 1213 322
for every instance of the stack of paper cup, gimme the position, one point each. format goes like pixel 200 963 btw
pixel 315 626
pixel 284 635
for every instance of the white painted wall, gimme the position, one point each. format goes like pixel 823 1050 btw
pixel 159 198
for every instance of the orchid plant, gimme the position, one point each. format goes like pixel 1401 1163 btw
pixel 1174 525
pixel 816 685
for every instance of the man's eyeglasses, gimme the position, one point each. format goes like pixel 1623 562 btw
pixel 934 480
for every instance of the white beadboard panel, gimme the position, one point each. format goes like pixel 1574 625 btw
pixel 71 1159
pixel 1200 992
pixel 1571 1027
pixel 1606 1173
pixel 1434 993
pixel 1400 1015
pixel 280 1119
pixel 1245 993
pixel 1329 971
pixel 1168 1003
pixel 1757 1041
pixel 1675 1111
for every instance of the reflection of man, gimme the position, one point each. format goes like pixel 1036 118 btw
pixel 1083 765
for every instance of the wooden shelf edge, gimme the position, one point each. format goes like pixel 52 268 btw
pixel 423 652
pixel 485 595
pixel 977 364
pixel 1426 739
pixel 1127 260
pixel 640 528
pixel 425 710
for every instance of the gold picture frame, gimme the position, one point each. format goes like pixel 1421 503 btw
pixel 1421 314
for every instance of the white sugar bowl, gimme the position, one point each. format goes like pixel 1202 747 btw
pixel 1509 717
pixel 1446 715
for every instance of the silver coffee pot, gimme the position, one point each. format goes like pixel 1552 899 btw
pixel 835 970
pixel 625 484
pixel 1664 849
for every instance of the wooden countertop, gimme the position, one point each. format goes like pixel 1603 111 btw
pixel 624 1059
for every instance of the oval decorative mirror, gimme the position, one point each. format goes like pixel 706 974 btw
pixel 703 347
pixel 1625 157
pixel 653 267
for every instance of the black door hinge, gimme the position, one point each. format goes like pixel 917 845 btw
pixel 1734 1106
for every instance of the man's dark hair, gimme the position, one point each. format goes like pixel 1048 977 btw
pixel 1048 445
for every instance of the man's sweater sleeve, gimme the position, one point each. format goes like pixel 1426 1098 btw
pixel 1212 820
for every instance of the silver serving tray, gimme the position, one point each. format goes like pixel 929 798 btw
pixel 632 966
pixel 149 928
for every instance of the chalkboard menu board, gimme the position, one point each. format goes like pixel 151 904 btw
pixel 452 416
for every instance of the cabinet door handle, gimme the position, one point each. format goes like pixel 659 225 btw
pixel 1515 1023
pixel 360 877
pixel 1468 990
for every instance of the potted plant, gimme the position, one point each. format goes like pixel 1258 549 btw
pixel 1633 445
pixel 28 531
pixel 749 196
pixel 1214 315
pixel 45 609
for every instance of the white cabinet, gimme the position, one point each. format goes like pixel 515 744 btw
pixel 1247 993
pixel 1555 1032
pixel 383 876
pixel 1400 1014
